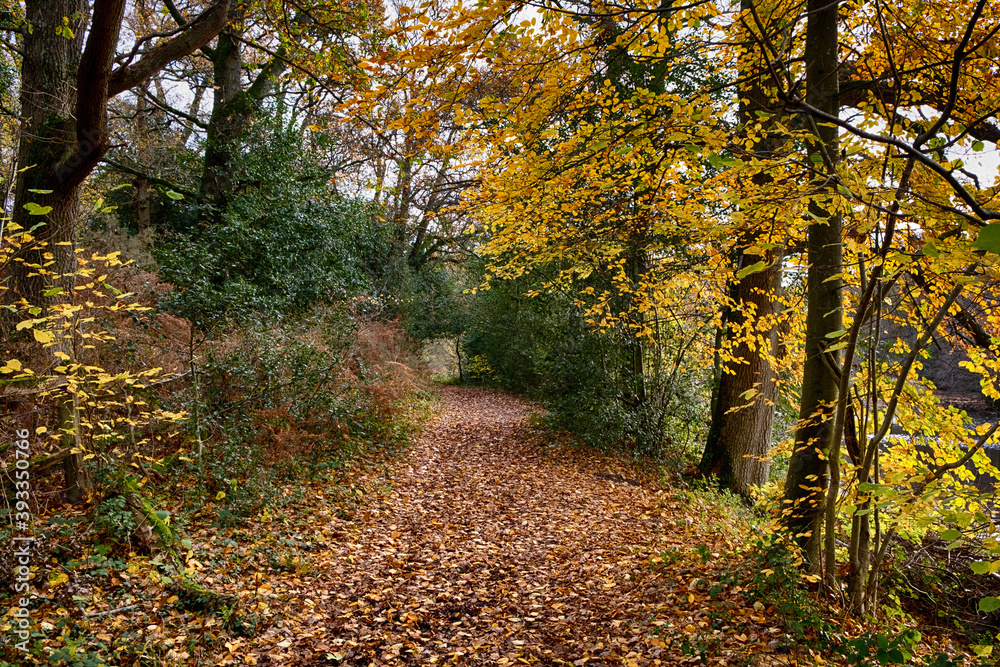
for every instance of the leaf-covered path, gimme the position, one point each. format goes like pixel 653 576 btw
pixel 491 548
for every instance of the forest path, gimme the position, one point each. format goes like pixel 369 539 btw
pixel 491 548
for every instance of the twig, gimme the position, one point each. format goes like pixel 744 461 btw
pixel 112 611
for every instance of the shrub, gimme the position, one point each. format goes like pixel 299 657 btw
pixel 543 347
pixel 296 394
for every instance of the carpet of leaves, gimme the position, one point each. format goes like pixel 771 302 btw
pixel 487 544
pixel 493 549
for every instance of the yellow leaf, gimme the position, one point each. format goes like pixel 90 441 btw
pixel 57 579
pixel 43 337
pixel 11 366
pixel 220 495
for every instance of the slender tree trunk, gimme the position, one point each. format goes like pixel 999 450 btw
pixel 634 348
pixel 143 189
pixel 808 470
pixel 224 127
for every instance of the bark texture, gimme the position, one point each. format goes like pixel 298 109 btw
pixel 806 483
pixel 739 437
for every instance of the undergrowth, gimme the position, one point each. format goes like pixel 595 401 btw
pixel 279 419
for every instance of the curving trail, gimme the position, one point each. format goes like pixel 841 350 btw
pixel 492 549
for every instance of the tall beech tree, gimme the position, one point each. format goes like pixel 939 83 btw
pixel 806 482
pixel 737 448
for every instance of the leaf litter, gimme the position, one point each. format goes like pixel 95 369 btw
pixel 492 548
pixel 487 544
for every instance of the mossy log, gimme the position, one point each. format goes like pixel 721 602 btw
pixel 157 535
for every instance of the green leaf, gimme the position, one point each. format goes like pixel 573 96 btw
pixel 951 534
pixel 753 268
pixel 176 196
pixel 980 567
pixel 978 146
pixel 835 334
pixel 989 239
pixel 988 604
pixel 40 192
pixel 52 292
pixel 930 249
pixel 715 160
pixel 844 190
pixel 817 158
pixel 35 209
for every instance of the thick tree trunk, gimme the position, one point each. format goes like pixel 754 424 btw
pixel 740 435
pixel 48 137
pixel 64 134
pixel 806 483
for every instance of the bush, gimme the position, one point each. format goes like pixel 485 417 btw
pixel 114 518
pixel 293 395
pixel 279 261
pixel 286 242
pixel 542 346
pixel 774 578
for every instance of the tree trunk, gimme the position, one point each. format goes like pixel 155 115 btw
pixel 739 437
pixel 64 134
pixel 806 483
pixel 48 137
pixel 635 362
pixel 224 127
pixel 143 189
pixel 232 110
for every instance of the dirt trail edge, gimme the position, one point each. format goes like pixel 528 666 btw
pixel 491 548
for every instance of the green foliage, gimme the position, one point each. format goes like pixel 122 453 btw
pixel 775 579
pixel 114 518
pixel 283 260
pixel 286 242
pixel 432 304
pixel 543 347
pixel 876 649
